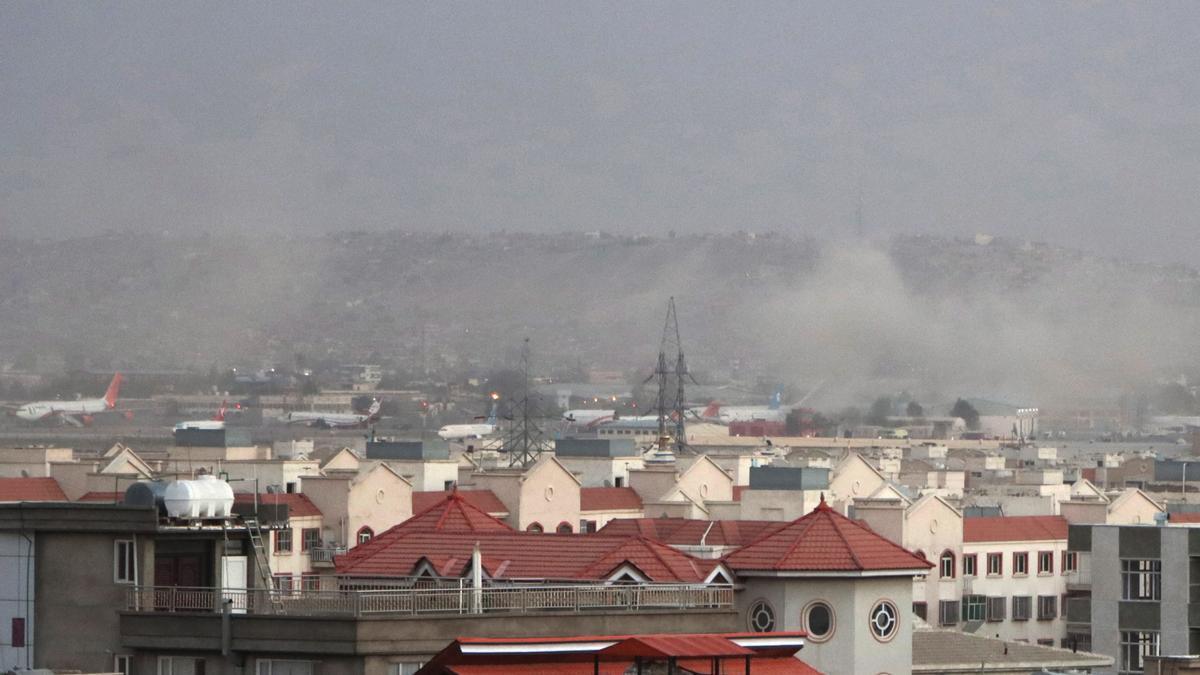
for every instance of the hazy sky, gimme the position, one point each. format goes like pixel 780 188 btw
pixel 1077 123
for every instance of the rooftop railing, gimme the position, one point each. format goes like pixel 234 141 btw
pixel 432 601
pixel 324 554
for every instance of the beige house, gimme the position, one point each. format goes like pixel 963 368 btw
pixel 853 477
pixel 358 506
pixel 692 482
pixel 542 498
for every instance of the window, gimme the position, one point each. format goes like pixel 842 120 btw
pixel 1045 562
pixel 818 621
pixel 995 608
pixel 970 561
pixel 995 562
pixel 619 481
pixel 364 535
pixel 974 607
pixel 761 617
pixel 180 665
pixel 948 612
pixel 283 667
pixel 1081 642
pixel 18 631
pixel 1135 646
pixel 310 538
pixel 884 621
pixel 1047 642
pixel 405 668
pixel 310 582
pixel 1047 607
pixel 563 528
pixel 1021 607
pixel 1141 580
pixel 124 565
pixel 535 527
pixel 1070 561
pixel 587 526
pixel 1020 564
pixel 283 540
pixel 123 664
pixel 921 610
pixel 283 582
pixel 947 565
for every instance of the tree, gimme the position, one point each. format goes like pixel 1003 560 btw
pixel 967 412
pixel 914 409
pixel 881 409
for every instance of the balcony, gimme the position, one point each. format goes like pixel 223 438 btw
pixel 1079 610
pixel 323 556
pixel 449 601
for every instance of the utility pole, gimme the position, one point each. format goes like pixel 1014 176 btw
pixel 671 409
pixel 524 443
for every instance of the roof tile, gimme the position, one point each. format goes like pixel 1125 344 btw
pixel 1014 528
pixel 31 490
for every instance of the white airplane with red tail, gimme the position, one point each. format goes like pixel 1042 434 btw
pixel 78 413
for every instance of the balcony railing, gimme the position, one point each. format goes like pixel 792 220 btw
pixel 426 601
pixel 324 554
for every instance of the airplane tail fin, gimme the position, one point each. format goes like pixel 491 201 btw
pixel 713 410
pixel 776 399
pixel 374 409
pixel 220 416
pixel 114 389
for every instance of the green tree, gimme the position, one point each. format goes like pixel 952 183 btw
pixel 967 412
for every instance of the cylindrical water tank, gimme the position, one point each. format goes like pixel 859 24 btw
pixel 147 493
pixel 205 497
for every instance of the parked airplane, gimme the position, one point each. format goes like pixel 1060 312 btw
pixel 335 420
pixel 217 421
pixel 772 412
pixel 78 413
pixel 586 417
pixel 458 432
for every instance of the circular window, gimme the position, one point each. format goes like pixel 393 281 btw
pixel 884 620
pixel 549 492
pixel 762 617
pixel 818 621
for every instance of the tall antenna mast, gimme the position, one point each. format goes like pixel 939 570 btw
pixel 671 406
pixel 524 442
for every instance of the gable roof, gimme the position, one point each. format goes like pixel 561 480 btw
pixel 1014 528
pixel 31 490
pixel 1128 494
pixel 609 499
pixel 484 500
pixel 691 532
pixel 824 541
pixel 399 552
pixel 299 505
pixel 453 513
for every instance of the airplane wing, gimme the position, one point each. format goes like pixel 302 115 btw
pixel 72 420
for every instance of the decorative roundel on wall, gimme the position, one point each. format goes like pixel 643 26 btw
pixel 761 617
pixel 933 526
pixel 549 492
pixel 379 496
pixel 856 486
pixel 819 621
pixel 884 620
pixel 704 489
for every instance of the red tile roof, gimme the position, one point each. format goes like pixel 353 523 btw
pixel 690 532
pixel 1184 517
pixel 609 499
pixel 1014 528
pixel 299 505
pixel 454 513
pixel 823 541
pixel 484 500
pixel 615 654
pixel 399 552
pixel 31 490
pixel 110 497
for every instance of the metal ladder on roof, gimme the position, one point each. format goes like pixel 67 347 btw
pixel 261 561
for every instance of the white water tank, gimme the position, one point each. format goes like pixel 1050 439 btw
pixel 205 497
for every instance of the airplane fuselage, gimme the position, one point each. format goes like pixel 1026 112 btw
pixel 40 410
pixel 458 432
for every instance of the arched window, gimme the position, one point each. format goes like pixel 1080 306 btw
pixel 365 534
pixel 564 528
pixel 535 527
pixel 946 564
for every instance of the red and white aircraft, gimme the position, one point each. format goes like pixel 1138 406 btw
pixel 78 413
